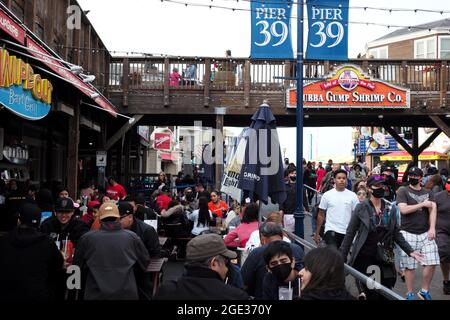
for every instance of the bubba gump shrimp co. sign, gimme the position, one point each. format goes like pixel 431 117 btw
pixel 348 87
pixel 21 90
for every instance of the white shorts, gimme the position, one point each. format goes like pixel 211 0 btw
pixel 420 243
pixel 289 222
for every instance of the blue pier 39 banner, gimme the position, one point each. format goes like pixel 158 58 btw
pixel 327 30
pixel 271 29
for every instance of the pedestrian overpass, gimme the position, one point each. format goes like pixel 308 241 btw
pixel 226 92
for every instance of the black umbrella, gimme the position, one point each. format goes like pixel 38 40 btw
pixel 262 174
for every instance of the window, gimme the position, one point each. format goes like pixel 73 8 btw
pixel 379 53
pixel 18 9
pixel 444 47
pixel 425 48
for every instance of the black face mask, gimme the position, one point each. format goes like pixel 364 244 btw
pixel 378 193
pixel 293 179
pixel 281 271
pixel 413 182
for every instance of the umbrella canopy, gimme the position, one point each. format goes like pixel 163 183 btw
pixel 262 172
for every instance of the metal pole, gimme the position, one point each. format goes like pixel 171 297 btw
pixel 299 214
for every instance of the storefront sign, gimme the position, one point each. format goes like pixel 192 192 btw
pixel 21 91
pixel 163 141
pixel 12 28
pixel 348 87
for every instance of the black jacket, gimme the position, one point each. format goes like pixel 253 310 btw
pixel 29 265
pixel 360 224
pixel 109 255
pixel 73 231
pixel 290 205
pixel 199 283
pixel 144 213
pixel 148 236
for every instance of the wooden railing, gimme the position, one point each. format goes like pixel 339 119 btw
pixel 205 74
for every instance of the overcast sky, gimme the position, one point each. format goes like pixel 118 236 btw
pixel 157 27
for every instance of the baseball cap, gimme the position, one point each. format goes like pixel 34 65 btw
pixel 93 204
pixel 387 169
pixel 165 189
pixel 30 215
pixel 108 210
pixel 206 246
pixel 415 171
pixel 373 180
pixel 64 205
pixel 125 208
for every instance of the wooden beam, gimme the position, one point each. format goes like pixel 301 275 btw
pixel 443 85
pixel 415 146
pixel 72 151
pixel 247 84
pixel 441 124
pixel 399 139
pixel 125 80
pixel 219 149
pixel 207 83
pixel 430 139
pixel 127 126
pixel 166 82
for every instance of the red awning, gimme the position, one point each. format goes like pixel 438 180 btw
pixel 18 33
pixel 168 157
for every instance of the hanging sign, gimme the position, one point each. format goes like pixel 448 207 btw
pixel 327 30
pixel 101 158
pixel 348 87
pixel 271 30
pixel 163 141
pixel 21 90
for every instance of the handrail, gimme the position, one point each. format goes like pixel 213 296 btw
pixel 388 293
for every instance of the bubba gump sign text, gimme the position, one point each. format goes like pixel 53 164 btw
pixel 348 87
pixel 21 90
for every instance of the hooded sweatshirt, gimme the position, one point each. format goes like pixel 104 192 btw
pixel 29 265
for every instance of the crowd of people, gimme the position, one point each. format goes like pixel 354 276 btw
pixel 365 218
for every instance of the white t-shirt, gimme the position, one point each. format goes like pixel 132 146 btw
pixel 198 229
pixel 255 241
pixel 339 206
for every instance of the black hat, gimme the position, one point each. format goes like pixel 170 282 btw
pixel 165 189
pixel 373 180
pixel 125 208
pixel 64 205
pixel 415 171
pixel 30 215
pixel 387 168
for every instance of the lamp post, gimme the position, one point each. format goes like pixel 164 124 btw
pixel 299 214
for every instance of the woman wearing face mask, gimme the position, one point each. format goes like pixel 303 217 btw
pixel 375 223
pixel 280 264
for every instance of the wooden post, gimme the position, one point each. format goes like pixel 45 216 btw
pixel 72 151
pixel 220 112
pixel 247 83
pixel 287 73
pixel 166 82
pixel 126 152
pixel 441 125
pixel 207 82
pixel 415 145
pixel 404 73
pixel 443 85
pixel 126 80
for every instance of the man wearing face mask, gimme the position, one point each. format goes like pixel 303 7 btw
pixel 443 233
pixel 388 173
pixel 288 207
pixel 374 222
pixel 418 226
pixel 282 272
pixel 206 272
